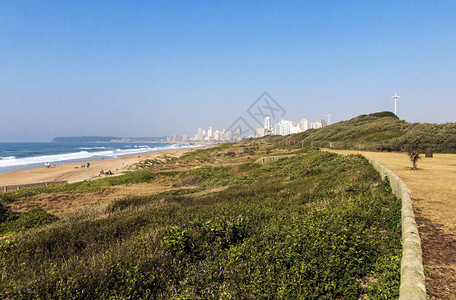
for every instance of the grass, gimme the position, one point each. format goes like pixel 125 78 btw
pixel 381 132
pixel 433 188
pixel 31 219
pixel 314 226
pixel 434 181
pixel 139 176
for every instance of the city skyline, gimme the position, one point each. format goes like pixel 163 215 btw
pixel 154 68
pixel 282 127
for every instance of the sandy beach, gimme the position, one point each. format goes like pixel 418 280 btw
pixel 73 172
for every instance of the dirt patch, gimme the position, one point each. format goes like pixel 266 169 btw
pixel 59 203
pixel 439 257
pixel 209 191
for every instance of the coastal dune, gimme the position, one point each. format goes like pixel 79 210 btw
pixel 73 172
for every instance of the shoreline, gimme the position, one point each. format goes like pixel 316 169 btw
pixel 72 172
pixel 12 158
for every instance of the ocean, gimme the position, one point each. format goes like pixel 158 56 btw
pixel 21 156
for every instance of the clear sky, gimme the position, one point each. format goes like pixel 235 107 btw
pixel 153 68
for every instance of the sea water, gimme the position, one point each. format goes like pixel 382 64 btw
pixel 20 156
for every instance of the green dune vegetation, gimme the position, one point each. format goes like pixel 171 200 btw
pixel 312 225
pixel 380 132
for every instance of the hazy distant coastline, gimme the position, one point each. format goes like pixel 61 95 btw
pixel 108 139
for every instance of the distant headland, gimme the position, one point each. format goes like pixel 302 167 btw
pixel 108 139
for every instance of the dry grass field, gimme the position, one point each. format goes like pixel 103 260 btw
pixel 433 188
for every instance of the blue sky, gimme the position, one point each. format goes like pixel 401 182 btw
pixel 153 68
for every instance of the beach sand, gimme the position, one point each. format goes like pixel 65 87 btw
pixel 73 172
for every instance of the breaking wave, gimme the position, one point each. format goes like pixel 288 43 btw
pixel 12 161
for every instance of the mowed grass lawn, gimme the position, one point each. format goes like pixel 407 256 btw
pixel 433 188
pixel 433 185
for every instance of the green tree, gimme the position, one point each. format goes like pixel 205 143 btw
pixel 414 157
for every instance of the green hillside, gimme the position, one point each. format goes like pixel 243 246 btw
pixel 382 131
pixel 313 226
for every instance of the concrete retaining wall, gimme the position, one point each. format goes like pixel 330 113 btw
pixel 412 271
pixel 269 159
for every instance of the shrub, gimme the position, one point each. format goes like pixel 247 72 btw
pixel 4 213
pixel 313 226
pixel 33 218
pixel 177 240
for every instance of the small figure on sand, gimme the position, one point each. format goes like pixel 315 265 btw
pixel 88 164
pixel 47 165
pixel 82 166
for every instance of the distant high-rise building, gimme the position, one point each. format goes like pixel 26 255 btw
pixel 260 132
pixel 318 124
pixel 285 127
pixel 303 125
pixel 217 135
pixel 237 133
pixel 200 134
pixel 209 133
pixel 267 123
pixel 228 136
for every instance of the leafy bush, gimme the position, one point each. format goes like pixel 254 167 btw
pixel 33 218
pixel 4 213
pixel 177 240
pixel 312 226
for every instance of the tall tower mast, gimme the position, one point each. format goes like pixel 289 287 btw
pixel 395 97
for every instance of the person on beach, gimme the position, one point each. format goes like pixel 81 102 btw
pixel 82 166
pixel 88 165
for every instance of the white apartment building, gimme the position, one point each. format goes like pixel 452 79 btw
pixel 285 127
pixel 217 135
pixel 260 132
pixel 228 136
pixel 303 125
pixel 318 124
pixel 267 123
pixel 200 135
